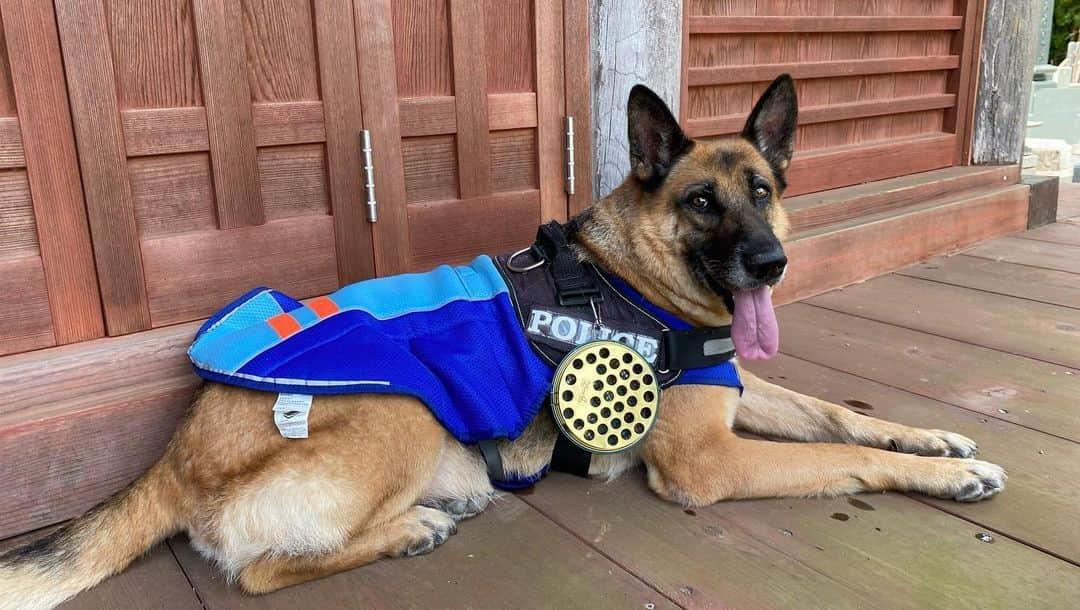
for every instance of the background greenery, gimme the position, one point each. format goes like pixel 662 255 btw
pixel 1066 26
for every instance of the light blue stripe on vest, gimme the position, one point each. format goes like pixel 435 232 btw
pixel 243 334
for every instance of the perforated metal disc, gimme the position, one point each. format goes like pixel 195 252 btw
pixel 605 397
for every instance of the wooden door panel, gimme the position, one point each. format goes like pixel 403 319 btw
pixel 475 139
pixel 236 150
pixel 48 288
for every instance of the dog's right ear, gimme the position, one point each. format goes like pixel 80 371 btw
pixel 656 141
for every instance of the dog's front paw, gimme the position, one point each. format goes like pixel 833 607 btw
pixel 938 443
pixel 431 528
pixel 972 481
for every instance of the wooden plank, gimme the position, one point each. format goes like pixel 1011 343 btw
pixel 811 211
pixel 1043 206
pixel 550 110
pixel 18 229
pixel 192 275
pixel 501 559
pixel 846 165
pixel 117 400
pixel 470 97
pixel 373 26
pixel 511 111
pixel 781 553
pixel 1045 332
pixel 1035 507
pixel 967 44
pixel 782 24
pixel 24 306
pixel 698 76
pixel 340 85
pixel 1058 233
pixel 1008 387
pixel 1061 257
pixel 429 116
pixel 839 256
pixel 510 221
pixel 282 123
pixel 219 28
pixel 52 167
pixel 162 131
pixel 11 148
pixel 1004 84
pixel 828 113
pixel 293 180
pixel 1033 283
pixel 578 76
pixel 153 581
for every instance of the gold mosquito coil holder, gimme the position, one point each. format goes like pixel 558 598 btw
pixel 605 397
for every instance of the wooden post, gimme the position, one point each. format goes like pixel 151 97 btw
pixel 1006 66
pixel 634 41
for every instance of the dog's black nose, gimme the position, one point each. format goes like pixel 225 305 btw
pixel 768 265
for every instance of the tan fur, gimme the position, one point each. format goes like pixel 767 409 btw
pixel 379 477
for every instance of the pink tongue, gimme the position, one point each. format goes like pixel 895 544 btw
pixel 753 327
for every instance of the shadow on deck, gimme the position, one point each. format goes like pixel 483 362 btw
pixel 986 343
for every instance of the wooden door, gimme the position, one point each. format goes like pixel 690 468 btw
pixel 883 84
pixel 218 146
pixel 465 103
pixel 48 290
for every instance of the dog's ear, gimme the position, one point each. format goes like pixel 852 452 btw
pixel 656 141
pixel 771 126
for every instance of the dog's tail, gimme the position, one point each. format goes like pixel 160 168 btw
pixel 95 546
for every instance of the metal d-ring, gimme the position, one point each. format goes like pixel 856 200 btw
pixel 510 262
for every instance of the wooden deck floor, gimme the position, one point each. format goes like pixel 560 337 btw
pixel 986 343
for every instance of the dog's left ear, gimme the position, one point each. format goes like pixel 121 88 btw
pixel 656 141
pixel 771 126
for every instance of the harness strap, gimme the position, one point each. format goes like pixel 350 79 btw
pixel 569 458
pixel 575 283
pixel 489 449
pixel 696 348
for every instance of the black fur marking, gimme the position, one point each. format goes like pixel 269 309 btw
pixel 46 552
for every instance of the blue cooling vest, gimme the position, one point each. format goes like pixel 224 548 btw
pixel 449 337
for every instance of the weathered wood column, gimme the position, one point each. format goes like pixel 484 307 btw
pixel 1006 67
pixel 633 41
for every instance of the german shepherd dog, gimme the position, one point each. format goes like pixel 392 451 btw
pixel 693 225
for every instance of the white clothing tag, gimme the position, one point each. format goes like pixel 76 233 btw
pixel 291 414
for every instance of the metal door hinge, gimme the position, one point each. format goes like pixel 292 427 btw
pixel 369 176
pixel 569 155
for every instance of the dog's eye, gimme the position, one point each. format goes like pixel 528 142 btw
pixel 700 202
pixel 760 193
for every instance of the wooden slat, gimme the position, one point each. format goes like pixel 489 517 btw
pixel 551 110
pixel 163 131
pixel 511 111
pixel 995 384
pixel 501 559
pixel 373 26
pixel 117 400
pixel 828 113
pixel 192 275
pixel 818 69
pixel 52 167
pixel 815 210
pixel 1058 233
pixel 470 97
pixel 847 254
pixel 18 230
pixel 1034 508
pixel 967 44
pixel 24 306
pixel 1033 283
pixel 1017 326
pixel 509 222
pixel 222 65
pixel 781 553
pixel 430 116
pixel 845 165
pixel 715 24
pixel 281 123
pixel 11 148
pixel 578 76
pixel 1028 252
pixel 340 86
